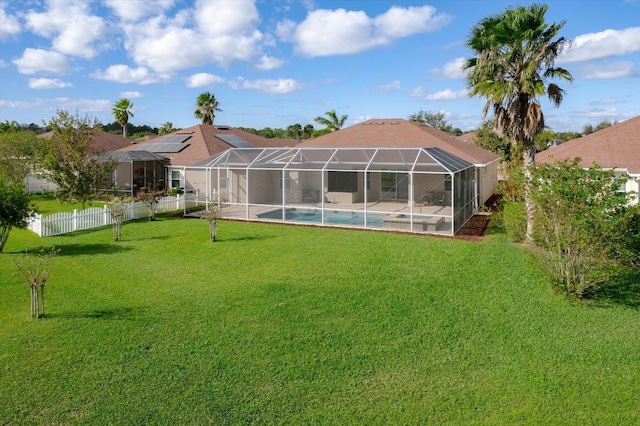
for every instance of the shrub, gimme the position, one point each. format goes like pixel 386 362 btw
pixel 581 224
pixel 514 220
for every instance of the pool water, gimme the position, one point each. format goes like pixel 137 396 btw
pixel 332 217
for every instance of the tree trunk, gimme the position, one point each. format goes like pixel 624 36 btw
pixel 528 157
pixel 42 300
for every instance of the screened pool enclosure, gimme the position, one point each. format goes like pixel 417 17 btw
pixel 425 190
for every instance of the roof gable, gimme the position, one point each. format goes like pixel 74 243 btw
pixel 617 146
pixel 400 133
pixel 196 143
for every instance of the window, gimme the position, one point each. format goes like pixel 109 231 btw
pixel 343 181
pixel 175 179
pixel 286 180
pixel 447 183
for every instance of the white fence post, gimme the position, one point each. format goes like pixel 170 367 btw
pixel 75 219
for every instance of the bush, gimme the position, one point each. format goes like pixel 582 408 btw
pixel 581 225
pixel 514 220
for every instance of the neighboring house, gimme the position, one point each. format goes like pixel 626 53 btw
pixel 187 146
pixel 614 148
pixel 102 142
pixel 387 174
pixel 469 137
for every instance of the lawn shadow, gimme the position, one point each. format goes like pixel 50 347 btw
pixel 82 249
pixel 620 290
pixel 243 238
pixel 104 314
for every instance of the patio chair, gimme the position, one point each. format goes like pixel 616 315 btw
pixel 440 198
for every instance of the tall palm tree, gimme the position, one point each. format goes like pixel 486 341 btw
pixel 331 120
pixel 206 107
pixel 122 111
pixel 515 53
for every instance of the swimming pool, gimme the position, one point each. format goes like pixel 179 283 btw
pixel 333 217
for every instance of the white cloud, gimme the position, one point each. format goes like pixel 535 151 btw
pixel 267 63
pixel 39 60
pixel 204 79
pixel 605 101
pixel 602 44
pixel 342 32
pixel 3 64
pixel 271 87
pixel 452 70
pixel 446 95
pixel 385 88
pixel 400 22
pixel 132 11
pixel 225 31
pixel 617 70
pixel 125 74
pixel 442 95
pixel 84 105
pixel 131 95
pixel 9 25
pixel 71 26
pixel 48 83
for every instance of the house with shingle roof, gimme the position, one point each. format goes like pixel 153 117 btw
pixel 193 144
pixel 383 174
pixel 614 148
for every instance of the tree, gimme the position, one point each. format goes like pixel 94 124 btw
pixel 581 224
pixel 206 107
pixel 15 208
pixel 488 139
pixel 17 154
pixel 122 112
pixel 435 120
pixel 307 131
pixel 70 159
pixel 588 128
pixel 10 126
pixel 515 55
pixel 295 131
pixel 35 270
pixel 166 128
pixel 331 121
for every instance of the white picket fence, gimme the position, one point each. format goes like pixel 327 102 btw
pixel 95 217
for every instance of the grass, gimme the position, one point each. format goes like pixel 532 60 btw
pixel 295 325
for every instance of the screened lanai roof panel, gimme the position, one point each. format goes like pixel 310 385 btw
pixel 394 159
pixel 426 163
pixel 310 159
pixel 350 158
pixel 274 158
pixel 449 161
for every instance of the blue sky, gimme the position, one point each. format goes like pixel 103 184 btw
pixel 275 63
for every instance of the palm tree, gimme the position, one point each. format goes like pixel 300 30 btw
pixel 515 53
pixel 166 128
pixel 206 107
pixel 331 120
pixel 122 111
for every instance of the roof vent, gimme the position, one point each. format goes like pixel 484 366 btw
pixel 380 122
pixel 367 123
pixel 395 122
pixel 222 127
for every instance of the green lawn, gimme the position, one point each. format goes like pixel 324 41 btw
pixel 293 325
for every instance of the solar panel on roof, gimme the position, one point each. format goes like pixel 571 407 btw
pixel 234 141
pixel 162 147
pixel 172 139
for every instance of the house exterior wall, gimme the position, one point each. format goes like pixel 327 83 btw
pixel 487 182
